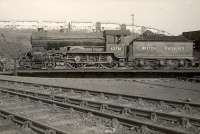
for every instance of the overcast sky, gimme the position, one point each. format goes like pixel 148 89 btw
pixel 174 16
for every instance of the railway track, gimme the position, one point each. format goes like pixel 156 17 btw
pixel 192 79
pixel 163 115
pixel 36 113
pixel 165 85
pixel 47 118
pixel 8 127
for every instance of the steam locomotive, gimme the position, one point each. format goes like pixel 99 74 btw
pixel 107 50
pixel 60 50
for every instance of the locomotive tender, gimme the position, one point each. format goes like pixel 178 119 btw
pixel 108 49
pixel 159 51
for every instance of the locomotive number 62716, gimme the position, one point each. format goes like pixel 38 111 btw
pixel 115 48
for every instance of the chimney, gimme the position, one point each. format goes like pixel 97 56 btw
pixel 98 26
pixel 123 27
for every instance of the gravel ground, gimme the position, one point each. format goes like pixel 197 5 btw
pixel 156 88
pixel 173 82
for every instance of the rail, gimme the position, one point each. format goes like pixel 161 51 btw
pixel 118 111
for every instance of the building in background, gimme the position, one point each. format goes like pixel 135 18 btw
pixel 109 26
pixel 51 25
pixel 83 26
pixel 25 24
pixel 7 24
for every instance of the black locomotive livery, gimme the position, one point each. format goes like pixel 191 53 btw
pixel 107 50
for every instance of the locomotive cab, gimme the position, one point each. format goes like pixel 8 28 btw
pixel 116 44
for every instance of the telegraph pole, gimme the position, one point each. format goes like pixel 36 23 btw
pixel 15 71
pixel 132 15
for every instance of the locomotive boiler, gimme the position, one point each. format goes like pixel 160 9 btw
pixel 59 50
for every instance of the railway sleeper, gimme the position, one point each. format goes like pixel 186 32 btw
pixel 187 108
pixel 27 124
pixel 162 103
pixel 125 111
pixel 56 104
pixel 185 123
pixel 23 122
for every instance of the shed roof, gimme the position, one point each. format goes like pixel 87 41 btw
pixel 192 35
